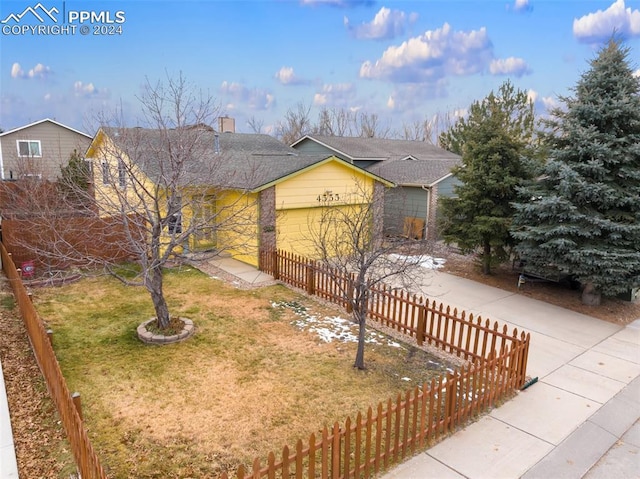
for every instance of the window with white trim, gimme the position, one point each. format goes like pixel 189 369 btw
pixel 174 220
pixel 105 173
pixel 122 174
pixel 29 148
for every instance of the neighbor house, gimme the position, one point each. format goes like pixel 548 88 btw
pixel 421 171
pixel 259 193
pixel 39 149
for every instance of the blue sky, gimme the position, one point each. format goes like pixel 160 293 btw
pixel 404 61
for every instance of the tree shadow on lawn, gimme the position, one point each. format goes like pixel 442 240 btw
pixel 257 375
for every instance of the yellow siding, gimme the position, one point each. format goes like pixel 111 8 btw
pixel 298 230
pixel 300 202
pixel 307 189
pixel 109 197
pixel 238 226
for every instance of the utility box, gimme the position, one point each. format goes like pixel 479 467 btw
pixel 632 294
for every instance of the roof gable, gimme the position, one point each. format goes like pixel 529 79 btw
pixel 316 162
pixel 378 149
pixel 242 161
pixel 49 120
pixel 415 172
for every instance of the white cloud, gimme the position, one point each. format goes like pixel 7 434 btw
pixel 636 73
pixel 17 71
pixel 405 96
pixel 509 66
pixel 549 102
pixel 386 24
pixel 542 104
pixel 601 25
pixel 337 95
pixel 39 71
pixel 287 76
pixel 253 98
pixel 521 6
pixel 89 90
pixel 84 88
pixel 432 56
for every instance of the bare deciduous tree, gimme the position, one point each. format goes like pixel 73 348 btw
pixel 368 126
pixel 255 125
pixel 330 122
pixel 349 243
pixel 164 189
pixel 296 124
pixel 427 130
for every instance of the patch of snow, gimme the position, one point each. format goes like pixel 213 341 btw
pixel 406 379
pixel 332 328
pixel 427 262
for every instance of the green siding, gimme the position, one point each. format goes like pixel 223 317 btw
pixel 446 186
pixel 313 148
pixel 400 203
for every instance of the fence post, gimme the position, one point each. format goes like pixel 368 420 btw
pixel 274 259
pixel 310 278
pixel 77 403
pixel 421 333
pixel 450 401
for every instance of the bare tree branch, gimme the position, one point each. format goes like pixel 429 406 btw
pixel 348 242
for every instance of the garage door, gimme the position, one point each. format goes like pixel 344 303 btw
pixel 298 229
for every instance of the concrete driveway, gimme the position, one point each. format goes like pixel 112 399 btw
pixel 580 419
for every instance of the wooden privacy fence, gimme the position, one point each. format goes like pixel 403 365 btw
pixel 369 444
pixel 86 459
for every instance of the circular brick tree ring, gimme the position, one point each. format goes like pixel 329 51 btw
pixel 149 337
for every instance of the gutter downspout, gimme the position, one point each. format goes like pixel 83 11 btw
pixel 427 188
pixel 1 163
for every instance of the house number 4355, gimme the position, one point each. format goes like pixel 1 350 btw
pixel 327 197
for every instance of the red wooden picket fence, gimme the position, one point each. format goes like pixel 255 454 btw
pixel 86 459
pixel 427 321
pixel 363 447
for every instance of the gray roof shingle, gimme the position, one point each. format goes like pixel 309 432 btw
pixel 426 165
pixel 359 148
pixel 230 160
pixel 414 172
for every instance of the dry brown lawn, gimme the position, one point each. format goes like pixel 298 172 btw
pixel 256 376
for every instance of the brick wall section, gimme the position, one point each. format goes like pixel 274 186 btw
pixel 267 219
pixel 432 228
pixel 378 210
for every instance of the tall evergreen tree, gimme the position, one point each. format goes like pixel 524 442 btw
pixel 493 140
pixel 583 215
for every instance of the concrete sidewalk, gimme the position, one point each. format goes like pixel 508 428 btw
pixel 244 273
pixel 579 420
